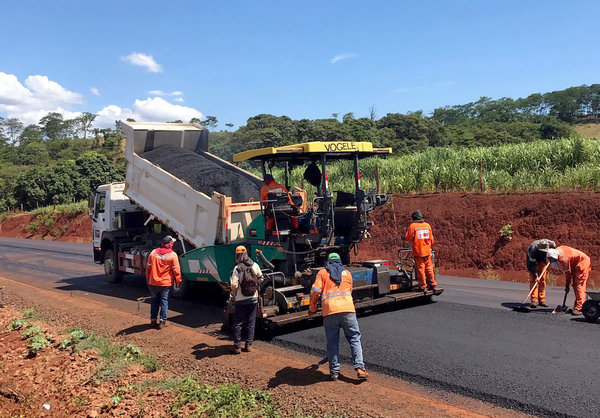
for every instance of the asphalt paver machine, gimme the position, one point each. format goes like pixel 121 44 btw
pixel 298 230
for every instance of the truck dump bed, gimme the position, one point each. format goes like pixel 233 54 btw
pixel 201 217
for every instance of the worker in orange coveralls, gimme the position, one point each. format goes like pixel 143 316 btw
pixel 420 236
pixel 162 269
pixel 577 267
pixel 536 262
pixel 271 186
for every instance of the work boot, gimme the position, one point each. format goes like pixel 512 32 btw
pixel 162 324
pixel 361 374
pixel 333 377
pixel 432 288
pixel 534 304
pixel 424 290
pixel 576 312
pixel 233 349
pixel 544 304
pixel 247 348
pixel 154 323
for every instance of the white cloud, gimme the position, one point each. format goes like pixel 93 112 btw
pixel 94 91
pixel 143 60
pixel 180 100
pixel 164 93
pixel 342 57
pixel 154 109
pixel 158 109
pixel 35 99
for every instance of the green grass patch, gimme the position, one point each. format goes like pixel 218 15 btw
pixel 116 358
pixel 221 401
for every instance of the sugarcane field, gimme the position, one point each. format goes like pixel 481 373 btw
pixel 309 211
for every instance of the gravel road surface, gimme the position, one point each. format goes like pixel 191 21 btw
pixel 469 341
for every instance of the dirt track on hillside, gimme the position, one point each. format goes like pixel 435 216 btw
pixel 65 227
pixel 467 227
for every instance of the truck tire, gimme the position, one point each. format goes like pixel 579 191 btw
pixel 110 263
pixel 179 290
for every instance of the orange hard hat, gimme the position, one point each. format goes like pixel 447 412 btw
pixel 240 249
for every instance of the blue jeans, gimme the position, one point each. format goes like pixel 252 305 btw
pixel 348 322
pixel 159 300
pixel 244 316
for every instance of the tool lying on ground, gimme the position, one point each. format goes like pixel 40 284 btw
pixel 562 309
pixel 522 307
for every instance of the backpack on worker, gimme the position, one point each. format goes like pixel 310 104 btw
pixel 248 281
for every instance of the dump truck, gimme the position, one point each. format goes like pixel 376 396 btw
pixel 174 186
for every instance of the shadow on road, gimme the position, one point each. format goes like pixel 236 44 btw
pixel 513 305
pixel 293 376
pixel 135 329
pixel 200 309
pixel 202 351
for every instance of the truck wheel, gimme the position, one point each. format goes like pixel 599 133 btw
pixel 591 310
pixel 180 289
pixel 110 267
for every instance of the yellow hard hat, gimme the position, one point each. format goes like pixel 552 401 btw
pixel 240 249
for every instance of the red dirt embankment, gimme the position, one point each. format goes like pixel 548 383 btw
pixel 467 227
pixel 60 227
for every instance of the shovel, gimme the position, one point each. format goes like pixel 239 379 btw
pixel 522 307
pixel 562 309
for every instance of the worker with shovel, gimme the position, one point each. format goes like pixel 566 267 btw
pixel 577 267
pixel 536 261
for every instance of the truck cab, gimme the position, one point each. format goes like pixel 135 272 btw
pixel 112 212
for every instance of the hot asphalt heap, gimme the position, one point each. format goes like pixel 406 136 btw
pixel 202 174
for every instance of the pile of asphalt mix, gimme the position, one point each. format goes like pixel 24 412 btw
pixel 202 174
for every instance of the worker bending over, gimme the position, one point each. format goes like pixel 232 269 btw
pixel 536 260
pixel 577 267
pixel 420 236
pixel 162 269
pixel 334 286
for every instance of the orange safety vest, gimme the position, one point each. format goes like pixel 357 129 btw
pixel 163 269
pixel 420 236
pixel 272 187
pixel 334 298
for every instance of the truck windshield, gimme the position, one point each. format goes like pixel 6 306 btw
pixel 100 202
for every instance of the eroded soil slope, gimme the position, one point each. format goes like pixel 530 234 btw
pixel 467 229
pixel 60 227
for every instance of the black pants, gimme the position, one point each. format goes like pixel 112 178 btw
pixel 244 317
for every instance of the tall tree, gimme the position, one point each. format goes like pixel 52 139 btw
pixel 13 128
pixel 52 125
pixel 195 120
pixel 211 122
pixel 84 122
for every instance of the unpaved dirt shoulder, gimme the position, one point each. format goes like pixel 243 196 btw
pixel 297 382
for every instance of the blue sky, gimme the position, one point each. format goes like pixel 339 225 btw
pixel 234 60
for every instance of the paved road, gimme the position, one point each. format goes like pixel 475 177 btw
pixel 469 341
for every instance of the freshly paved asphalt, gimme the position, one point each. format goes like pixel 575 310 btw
pixel 469 341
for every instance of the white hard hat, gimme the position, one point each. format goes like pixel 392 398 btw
pixel 552 254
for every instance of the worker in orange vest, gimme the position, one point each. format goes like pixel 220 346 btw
pixel 577 268
pixel 420 235
pixel 162 269
pixel 334 286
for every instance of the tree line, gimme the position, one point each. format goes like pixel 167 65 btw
pixel 59 160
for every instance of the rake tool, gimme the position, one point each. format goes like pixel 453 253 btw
pixel 522 307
